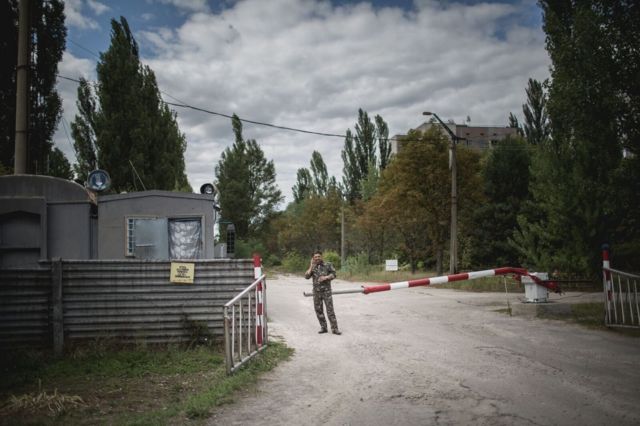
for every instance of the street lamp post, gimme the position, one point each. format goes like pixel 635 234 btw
pixel 453 250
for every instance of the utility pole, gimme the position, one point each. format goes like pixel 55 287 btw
pixel 22 98
pixel 453 250
pixel 453 256
pixel 342 251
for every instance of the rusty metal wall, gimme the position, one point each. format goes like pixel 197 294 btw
pixel 123 300
pixel 25 296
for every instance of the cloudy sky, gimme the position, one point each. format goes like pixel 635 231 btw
pixel 310 64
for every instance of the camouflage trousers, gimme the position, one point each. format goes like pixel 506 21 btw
pixel 322 294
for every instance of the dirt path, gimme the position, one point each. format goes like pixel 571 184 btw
pixel 432 356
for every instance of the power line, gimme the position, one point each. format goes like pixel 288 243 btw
pixel 84 48
pixel 64 126
pixel 68 78
pixel 185 105
pixel 257 122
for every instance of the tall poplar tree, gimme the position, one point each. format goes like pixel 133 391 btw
pixel 359 152
pixel 124 127
pixel 303 186
pixel 83 132
pixel 48 36
pixel 351 174
pixel 384 144
pixel 536 122
pixel 319 174
pixel 515 124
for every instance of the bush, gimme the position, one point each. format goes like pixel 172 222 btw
pixel 272 260
pixel 359 264
pixel 295 263
pixel 332 257
pixel 246 248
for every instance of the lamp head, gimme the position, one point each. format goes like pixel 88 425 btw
pixel 427 113
pixel 207 188
pixel 98 181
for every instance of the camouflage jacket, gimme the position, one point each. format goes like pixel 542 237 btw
pixel 319 270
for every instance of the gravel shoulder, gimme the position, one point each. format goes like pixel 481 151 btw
pixel 426 356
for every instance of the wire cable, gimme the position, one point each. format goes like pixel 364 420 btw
pixel 257 122
pixel 84 48
pixel 185 105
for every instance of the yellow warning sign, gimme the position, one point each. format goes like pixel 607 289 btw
pixel 182 273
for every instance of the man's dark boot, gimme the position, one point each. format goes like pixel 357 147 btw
pixel 336 331
pixel 322 330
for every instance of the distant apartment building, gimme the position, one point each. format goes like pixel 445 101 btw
pixel 475 137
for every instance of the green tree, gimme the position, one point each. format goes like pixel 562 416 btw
pixel 311 224
pixel 247 183
pixel 126 129
pixel 415 192
pixel 514 123
pixel 593 109
pixel 320 176
pixel 58 165
pixel 384 144
pixel 48 35
pixel 359 152
pixel 536 122
pixel 506 186
pixel 351 174
pixel 83 133
pixel 372 232
pixel 316 181
pixel 369 184
pixel 303 186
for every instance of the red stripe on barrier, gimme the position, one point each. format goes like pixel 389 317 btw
pixel 376 288
pixel 509 270
pixel 607 272
pixel 257 266
pixel 457 277
pixel 419 282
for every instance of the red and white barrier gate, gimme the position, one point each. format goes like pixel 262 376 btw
pixel 257 273
pixel 518 272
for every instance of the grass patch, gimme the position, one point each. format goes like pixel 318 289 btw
pixel 131 386
pixel 590 315
pixel 586 314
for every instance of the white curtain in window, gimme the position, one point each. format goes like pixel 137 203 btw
pixel 185 238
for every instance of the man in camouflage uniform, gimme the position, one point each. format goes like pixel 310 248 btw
pixel 322 273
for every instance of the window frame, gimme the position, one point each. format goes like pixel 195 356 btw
pixel 132 218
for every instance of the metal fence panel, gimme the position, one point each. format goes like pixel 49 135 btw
pixel 123 300
pixel 25 307
pixel 622 304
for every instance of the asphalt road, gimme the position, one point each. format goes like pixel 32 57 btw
pixel 429 356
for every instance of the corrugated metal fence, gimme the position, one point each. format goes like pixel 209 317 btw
pixel 123 300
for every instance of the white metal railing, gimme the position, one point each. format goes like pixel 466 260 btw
pixel 621 298
pixel 245 329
